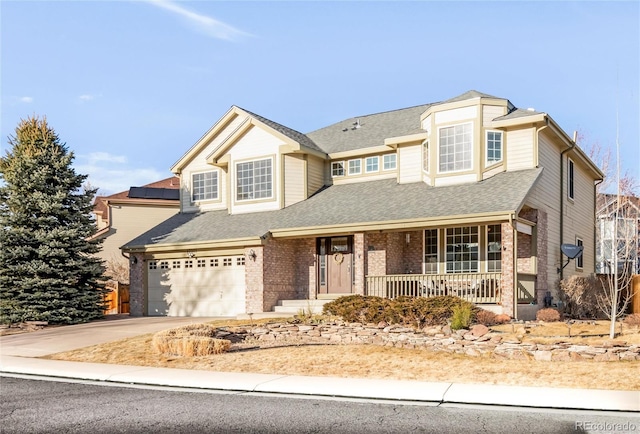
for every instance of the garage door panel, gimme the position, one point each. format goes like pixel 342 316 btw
pixel 202 290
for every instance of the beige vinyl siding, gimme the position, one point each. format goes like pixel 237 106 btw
pixel 456 115
pixel 579 217
pixel 545 196
pixel 520 152
pixel 199 164
pixel 315 174
pixel 294 182
pixel 410 164
pixel 490 112
pixel 128 222
pixel 256 144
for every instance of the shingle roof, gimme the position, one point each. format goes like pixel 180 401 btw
pixel 518 113
pixel 468 95
pixel 291 133
pixel 358 203
pixel 374 128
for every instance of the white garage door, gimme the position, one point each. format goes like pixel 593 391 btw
pixel 196 287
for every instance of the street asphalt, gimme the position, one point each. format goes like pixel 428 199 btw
pixel 20 355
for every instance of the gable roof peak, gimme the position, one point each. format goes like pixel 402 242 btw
pixel 470 94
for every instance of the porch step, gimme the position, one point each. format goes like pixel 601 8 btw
pixel 296 306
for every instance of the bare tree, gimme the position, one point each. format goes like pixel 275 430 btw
pixel 618 236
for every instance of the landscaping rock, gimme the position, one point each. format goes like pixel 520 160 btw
pixel 479 330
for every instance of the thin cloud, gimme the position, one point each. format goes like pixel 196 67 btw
pixel 112 174
pixel 87 97
pixel 26 99
pixel 203 23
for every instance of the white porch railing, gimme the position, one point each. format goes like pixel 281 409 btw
pixel 474 287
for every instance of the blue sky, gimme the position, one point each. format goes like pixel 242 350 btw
pixel 132 85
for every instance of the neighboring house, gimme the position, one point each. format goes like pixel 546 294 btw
pixel 470 196
pixel 125 215
pixel 626 244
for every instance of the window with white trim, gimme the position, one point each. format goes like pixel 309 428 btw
pixel 494 147
pixel 204 186
pixel 455 145
pixel 494 248
pixel 462 249
pixel 389 162
pixel 355 167
pixel 425 156
pixel 580 259
pixel 254 179
pixel 371 164
pixel 431 251
pixel 570 179
pixel 337 168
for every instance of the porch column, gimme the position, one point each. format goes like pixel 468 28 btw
pixel 137 285
pixel 254 280
pixel 358 263
pixel 508 262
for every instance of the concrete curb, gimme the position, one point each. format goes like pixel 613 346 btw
pixel 416 391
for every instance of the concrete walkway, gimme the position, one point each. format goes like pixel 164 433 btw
pixel 19 355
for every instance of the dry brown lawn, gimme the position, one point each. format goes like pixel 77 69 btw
pixel 371 361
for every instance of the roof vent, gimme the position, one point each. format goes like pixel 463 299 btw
pixel 345 129
pixel 531 109
pixel 356 124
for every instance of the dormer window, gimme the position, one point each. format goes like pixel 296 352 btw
pixel 455 145
pixel 371 164
pixel 494 147
pixel 254 179
pixel 337 168
pixel 204 186
pixel 355 167
pixel 389 162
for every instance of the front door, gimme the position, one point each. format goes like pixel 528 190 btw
pixel 335 265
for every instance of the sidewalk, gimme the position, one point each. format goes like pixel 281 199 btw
pixel 18 355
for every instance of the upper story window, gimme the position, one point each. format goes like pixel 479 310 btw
pixel 371 164
pixel 389 162
pixel 355 167
pixel 570 183
pixel 204 186
pixel 494 147
pixel 455 145
pixel 254 179
pixel 425 156
pixel 337 168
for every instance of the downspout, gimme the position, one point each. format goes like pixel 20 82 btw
pixel 571 146
pixel 595 223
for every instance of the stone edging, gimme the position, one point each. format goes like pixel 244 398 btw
pixel 477 341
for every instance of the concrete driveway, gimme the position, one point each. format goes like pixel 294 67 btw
pixel 65 338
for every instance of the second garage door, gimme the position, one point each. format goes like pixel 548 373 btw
pixel 213 286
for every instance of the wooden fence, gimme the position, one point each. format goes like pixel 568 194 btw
pixel 635 287
pixel 117 299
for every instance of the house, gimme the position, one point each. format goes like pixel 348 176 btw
pixel 127 214
pixel 470 197
pixel 626 244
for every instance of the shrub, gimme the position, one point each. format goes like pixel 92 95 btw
pixel 579 296
pixel 486 317
pixel 359 308
pixel 189 341
pixel 632 320
pixel 416 312
pixel 503 318
pixel 548 315
pixel 461 316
